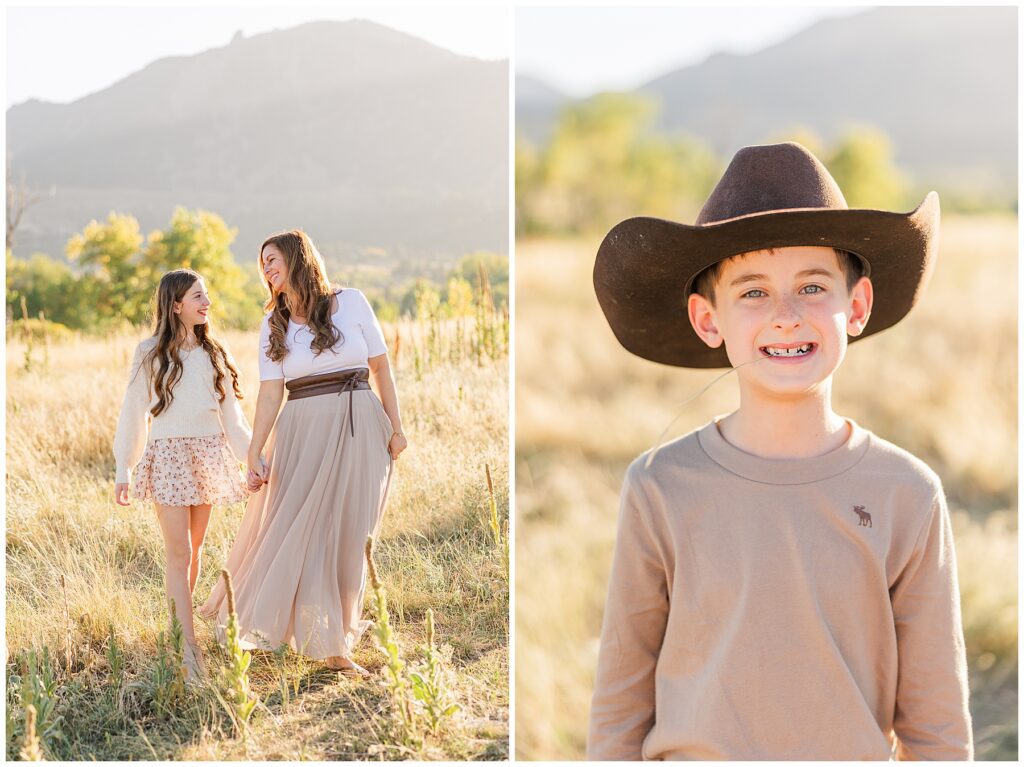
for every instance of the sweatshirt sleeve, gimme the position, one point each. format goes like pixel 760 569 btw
pixel 236 426
pixel 932 720
pixel 133 423
pixel 636 612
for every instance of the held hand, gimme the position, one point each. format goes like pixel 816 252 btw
pixel 397 444
pixel 253 481
pixel 121 493
pixel 258 466
pixel 258 474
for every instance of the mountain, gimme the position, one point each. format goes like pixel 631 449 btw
pixel 368 138
pixel 940 81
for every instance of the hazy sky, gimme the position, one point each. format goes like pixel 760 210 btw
pixel 583 50
pixel 62 54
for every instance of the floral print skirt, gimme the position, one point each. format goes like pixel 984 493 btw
pixel 188 471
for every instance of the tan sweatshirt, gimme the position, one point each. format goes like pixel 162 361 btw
pixel 782 609
pixel 193 412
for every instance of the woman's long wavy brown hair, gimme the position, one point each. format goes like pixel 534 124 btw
pixel 307 282
pixel 163 360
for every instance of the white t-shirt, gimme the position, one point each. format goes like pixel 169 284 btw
pixel 361 338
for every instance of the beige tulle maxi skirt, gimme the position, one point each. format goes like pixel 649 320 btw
pixel 297 565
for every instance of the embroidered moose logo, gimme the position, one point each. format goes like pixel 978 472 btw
pixel 865 518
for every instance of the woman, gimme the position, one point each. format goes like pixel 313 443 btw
pixel 297 564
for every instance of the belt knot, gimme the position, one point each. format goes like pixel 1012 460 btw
pixel 326 383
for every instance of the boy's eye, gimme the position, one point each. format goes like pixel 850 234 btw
pixel 812 289
pixel 755 293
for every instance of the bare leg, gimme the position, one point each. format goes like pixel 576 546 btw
pixel 174 522
pixel 199 520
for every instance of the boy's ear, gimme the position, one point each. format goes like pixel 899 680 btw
pixel 702 318
pixel 862 297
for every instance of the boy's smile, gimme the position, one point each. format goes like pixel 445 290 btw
pixel 788 311
pixel 787 352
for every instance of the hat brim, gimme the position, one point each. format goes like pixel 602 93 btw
pixel 644 266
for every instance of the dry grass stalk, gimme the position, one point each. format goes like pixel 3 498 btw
pixel 495 524
pixel 67 627
pixel 27 334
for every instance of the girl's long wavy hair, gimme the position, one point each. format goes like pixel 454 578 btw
pixel 163 360
pixel 308 283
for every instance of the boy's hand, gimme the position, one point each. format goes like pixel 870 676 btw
pixel 121 493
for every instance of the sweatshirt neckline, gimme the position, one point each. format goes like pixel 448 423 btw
pixel 784 471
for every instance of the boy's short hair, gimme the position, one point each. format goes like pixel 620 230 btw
pixel 704 283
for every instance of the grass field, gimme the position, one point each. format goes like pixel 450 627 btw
pixel 942 384
pixel 79 567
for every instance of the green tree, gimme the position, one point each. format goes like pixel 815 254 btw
pixel 529 189
pixel 494 265
pixel 51 287
pixel 200 240
pixel 606 162
pixel 862 165
pixel 589 155
pixel 385 310
pixel 460 296
pixel 108 254
pixel 426 301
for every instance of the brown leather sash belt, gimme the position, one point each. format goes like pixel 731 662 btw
pixel 330 383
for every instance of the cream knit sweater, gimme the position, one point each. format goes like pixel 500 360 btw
pixel 782 609
pixel 194 411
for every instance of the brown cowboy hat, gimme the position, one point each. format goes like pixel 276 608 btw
pixel 771 196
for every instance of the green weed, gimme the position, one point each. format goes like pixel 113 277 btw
pixel 38 694
pixel 397 684
pixel 430 683
pixel 238 701
pixel 115 659
pixel 166 683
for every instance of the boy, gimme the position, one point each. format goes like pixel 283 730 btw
pixel 784 582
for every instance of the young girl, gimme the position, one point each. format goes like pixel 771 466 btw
pixel 180 392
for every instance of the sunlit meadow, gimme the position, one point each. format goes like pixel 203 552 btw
pixel 84 576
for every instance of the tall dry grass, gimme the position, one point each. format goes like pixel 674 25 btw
pixel 941 384
pixel 435 552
